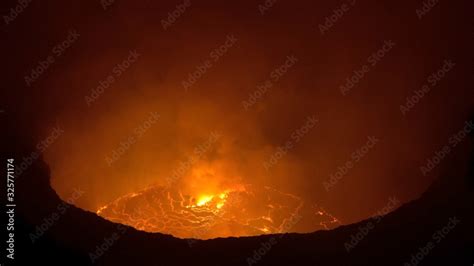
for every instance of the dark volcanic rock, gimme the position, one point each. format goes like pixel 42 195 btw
pixel 444 212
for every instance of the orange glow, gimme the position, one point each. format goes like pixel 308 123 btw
pixel 242 210
pixel 232 212
pixel 204 200
pixel 205 205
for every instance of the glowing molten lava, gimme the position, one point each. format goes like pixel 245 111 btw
pixel 203 200
pixel 240 211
